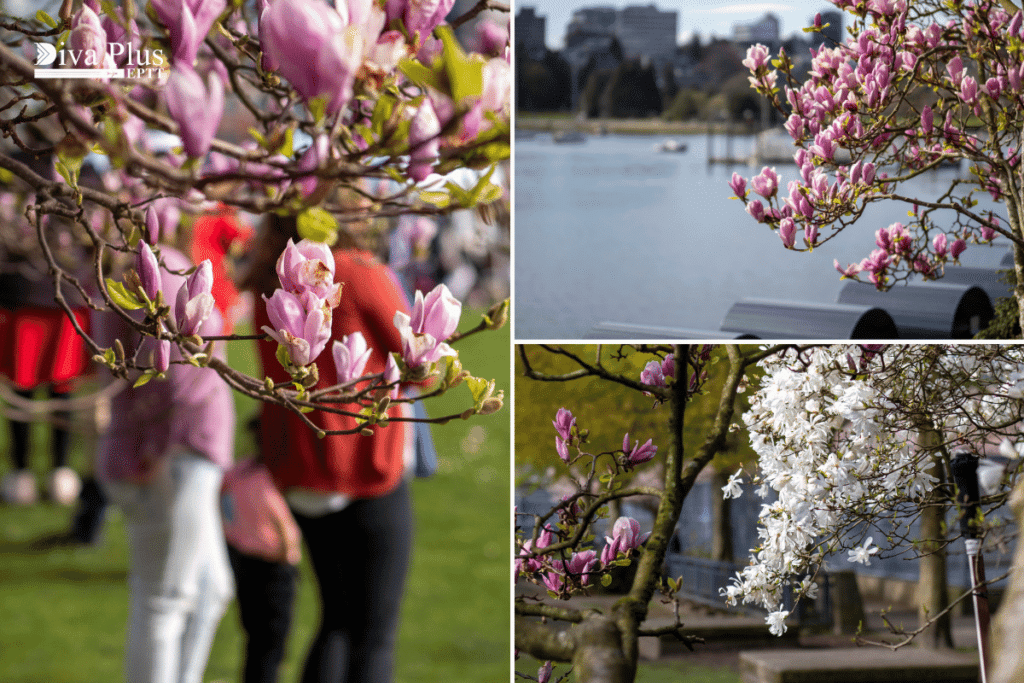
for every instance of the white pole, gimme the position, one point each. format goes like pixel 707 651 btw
pixel 979 595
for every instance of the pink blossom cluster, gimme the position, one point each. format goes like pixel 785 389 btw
pixel 562 574
pixel 300 310
pixel 853 116
pixel 192 304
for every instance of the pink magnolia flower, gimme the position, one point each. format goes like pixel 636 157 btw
pixel 195 107
pixel 544 672
pixel 625 537
pixel 652 374
pixel 87 36
pixel 434 319
pixel 148 270
pixel 564 422
pixel 668 366
pixel 757 57
pixel 392 374
pixel 850 270
pixel 957 248
pixel 194 302
pixel 756 210
pixel 787 232
pixel 939 245
pixel 491 37
pixel 766 183
pixel 309 267
pixel 302 324
pixel 323 62
pixel 350 356
pixel 187 23
pixel 638 454
pixel 419 16
pixel 424 143
pixel 738 184
pixel 562 448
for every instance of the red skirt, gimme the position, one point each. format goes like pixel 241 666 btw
pixel 40 346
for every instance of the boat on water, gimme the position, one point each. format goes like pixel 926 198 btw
pixel 670 146
pixel 569 136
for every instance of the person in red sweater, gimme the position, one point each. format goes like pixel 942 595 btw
pixel 349 494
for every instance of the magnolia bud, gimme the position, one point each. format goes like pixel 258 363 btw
pixel 498 315
pixel 366 431
pixel 491 405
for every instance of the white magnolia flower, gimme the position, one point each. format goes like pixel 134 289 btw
pixel 733 488
pixel 863 553
pixel 777 622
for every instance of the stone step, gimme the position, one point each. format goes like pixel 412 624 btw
pixel 858 665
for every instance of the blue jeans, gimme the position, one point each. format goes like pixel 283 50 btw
pixel 179 577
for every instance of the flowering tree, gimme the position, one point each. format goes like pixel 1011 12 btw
pixel 388 99
pixel 557 554
pixel 855 443
pixel 915 86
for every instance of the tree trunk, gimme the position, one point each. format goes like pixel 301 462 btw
pixel 721 522
pixel 1007 661
pixel 932 590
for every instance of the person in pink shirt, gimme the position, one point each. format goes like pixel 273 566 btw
pixel 264 548
pixel 161 461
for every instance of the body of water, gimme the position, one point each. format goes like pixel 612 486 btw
pixel 611 230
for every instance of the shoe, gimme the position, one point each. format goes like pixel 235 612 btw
pixel 19 488
pixel 63 486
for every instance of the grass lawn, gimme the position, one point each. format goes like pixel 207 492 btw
pixel 64 610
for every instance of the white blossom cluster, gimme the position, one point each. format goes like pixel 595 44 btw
pixel 846 435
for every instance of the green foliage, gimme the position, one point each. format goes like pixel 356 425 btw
pixel 686 105
pixel 609 410
pixel 1006 322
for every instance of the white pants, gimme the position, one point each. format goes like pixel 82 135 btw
pixel 179 576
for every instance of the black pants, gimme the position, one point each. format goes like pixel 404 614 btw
pixel 19 436
pixel 266 598
pixel 360 556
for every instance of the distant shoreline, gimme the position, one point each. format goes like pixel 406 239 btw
pixel 651 126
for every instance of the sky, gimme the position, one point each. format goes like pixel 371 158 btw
pixel 706 17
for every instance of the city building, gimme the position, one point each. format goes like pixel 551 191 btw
pixel 647 32
pixel 530 28
pixel 765 30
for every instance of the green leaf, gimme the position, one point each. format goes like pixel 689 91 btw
pixel 46 19
pixel 121 296
pixel 481 389
pixel 318 108
pixel 143 379
pixel 282 356
pixel 421 75
pixel 288 146
pixel 606 580
pixel 435 198
pixel 465 74
pixel 318 225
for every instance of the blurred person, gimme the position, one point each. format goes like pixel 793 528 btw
pixel 39 347
pixel 349 494
pixel 264 549
pixel 161 461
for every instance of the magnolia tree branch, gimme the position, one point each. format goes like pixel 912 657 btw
pixel 398 108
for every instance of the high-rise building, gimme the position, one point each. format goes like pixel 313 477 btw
pixel 530 28
pixel 647 32
pixel 764 30
pixel 590 22
pixel 641 31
